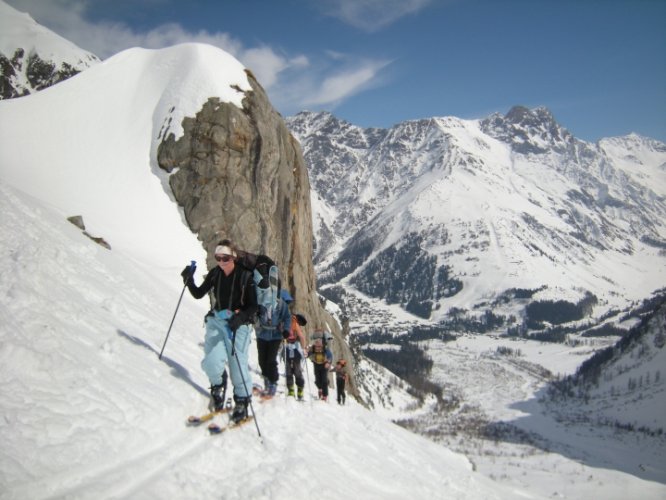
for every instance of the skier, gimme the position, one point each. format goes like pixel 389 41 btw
pixel 228 326
pixel 341 378
pixel 274 325
pixel 321 358
pixel 295 351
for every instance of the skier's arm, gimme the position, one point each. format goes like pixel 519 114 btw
pixel 199 291
pixel 299 334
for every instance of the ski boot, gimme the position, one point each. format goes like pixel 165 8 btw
pixel 240 410
pixel 299 394
pixel 290 391
pixel 217 399
pixel 270 391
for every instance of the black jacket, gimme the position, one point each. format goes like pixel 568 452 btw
pixel 235 292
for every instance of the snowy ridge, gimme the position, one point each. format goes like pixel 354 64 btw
pixel 102 128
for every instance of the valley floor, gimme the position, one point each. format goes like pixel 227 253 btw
pixel 494 414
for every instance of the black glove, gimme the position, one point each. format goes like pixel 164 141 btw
pixel 187 274
pixel 234 322
pixel 285 334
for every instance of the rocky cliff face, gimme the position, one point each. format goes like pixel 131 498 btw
pixel 240 174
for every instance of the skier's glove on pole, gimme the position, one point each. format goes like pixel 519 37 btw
pixel 235 322
pixel 188 273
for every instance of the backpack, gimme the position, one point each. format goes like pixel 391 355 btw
pixel 265 275
pixel 297 320
pixel 322 336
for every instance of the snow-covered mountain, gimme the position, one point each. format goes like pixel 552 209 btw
pixel 33 57
pixel 485 217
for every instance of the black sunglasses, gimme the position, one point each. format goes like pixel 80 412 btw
pixel 223 258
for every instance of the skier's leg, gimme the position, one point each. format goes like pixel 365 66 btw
pixel 215 353
pixel 271 360
pixel 239 370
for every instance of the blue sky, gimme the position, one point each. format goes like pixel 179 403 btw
pixel 598 65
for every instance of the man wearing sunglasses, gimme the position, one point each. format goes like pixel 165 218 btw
pixel 228 326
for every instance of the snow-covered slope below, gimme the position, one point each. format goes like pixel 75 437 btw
pixel 89 411
pixel 622 385
pixel 495 413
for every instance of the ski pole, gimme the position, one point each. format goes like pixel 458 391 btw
pixel 307 375
pixel 193 267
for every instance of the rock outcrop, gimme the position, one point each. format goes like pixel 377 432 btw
pixel 240 174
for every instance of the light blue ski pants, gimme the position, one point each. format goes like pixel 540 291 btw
pixel 217 353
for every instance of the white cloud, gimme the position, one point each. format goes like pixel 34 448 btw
pixel 337 87
pixel 325 85
pixel 291 80
pixel 371 15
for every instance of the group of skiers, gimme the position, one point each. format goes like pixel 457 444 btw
pixel 229 328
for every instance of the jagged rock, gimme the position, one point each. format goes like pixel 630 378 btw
pixel 100 241
pixel 239 173
pixel 77 220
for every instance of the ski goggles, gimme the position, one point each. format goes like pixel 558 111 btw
pixel 223 258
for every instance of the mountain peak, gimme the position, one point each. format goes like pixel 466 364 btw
pixel 528 131
pixel 521 115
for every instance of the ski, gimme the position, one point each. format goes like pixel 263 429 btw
pixel 195 420
pixel 217 429
pixel 262 395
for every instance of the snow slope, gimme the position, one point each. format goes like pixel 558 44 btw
pixel 88 410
